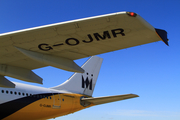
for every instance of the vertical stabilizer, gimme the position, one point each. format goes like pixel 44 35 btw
pixel 83 83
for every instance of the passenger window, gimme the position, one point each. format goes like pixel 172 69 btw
pixel 15 93
pixel 7 91
pixel 11 92
pixel 2 91
pixel 23 94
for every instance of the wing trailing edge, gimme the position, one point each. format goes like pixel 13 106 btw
pixel 107 99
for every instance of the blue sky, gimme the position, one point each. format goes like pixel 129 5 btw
pixel 152 71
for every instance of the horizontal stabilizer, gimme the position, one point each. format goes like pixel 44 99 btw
pixel 107 99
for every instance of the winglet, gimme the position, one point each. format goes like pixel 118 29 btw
pixel 163 35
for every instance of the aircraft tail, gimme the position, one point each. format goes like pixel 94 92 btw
pixel 83 83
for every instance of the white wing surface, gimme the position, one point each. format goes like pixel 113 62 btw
pixel 59 44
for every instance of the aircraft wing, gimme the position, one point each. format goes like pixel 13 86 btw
pixel 107 99
pixel 59 44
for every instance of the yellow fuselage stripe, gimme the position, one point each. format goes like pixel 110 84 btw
pixel 46 108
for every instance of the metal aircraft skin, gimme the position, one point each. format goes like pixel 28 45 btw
pixel 58 45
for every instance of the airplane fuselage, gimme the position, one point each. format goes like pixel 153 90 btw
pixel 32 102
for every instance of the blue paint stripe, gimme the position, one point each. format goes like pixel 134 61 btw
pixel 13 106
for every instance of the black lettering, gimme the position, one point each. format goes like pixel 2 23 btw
pixel 58 44
pixel 87 83
pixel 48 105
pixel 105 34
pixel 73 42
pixel 44 47
pixel 44 105
pixel 90 39
pixel 118 31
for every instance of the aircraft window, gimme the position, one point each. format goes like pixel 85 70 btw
pixel 19 93
pixel 31 95
pixel 50 97
pixel 7 91
pixel 15 93
pixel 26 94
pixel 2 91
pixel 11 92
pixel 23 94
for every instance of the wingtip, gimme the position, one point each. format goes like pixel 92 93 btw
pixel 163 35
pixel 134 95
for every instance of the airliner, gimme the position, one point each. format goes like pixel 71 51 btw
pixel 58 45
pixel 31 102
